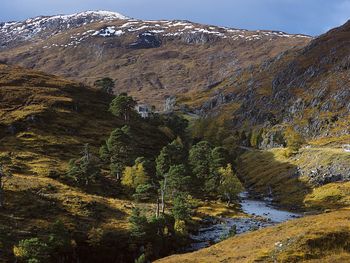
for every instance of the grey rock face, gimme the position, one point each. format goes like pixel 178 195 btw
pixel 170 103
pixel 329 174
pixel 146 40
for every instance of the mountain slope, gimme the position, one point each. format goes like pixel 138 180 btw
pixel 46 116
pixel 151 60
pixel 44 122
pixel 306 88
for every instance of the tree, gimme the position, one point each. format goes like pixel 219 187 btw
pixel 230 185
pixel 53 248
pixel 123 106
pixel 134 176
pixel 139 225
pixel 59 240
pixel 172 154
pixel 178 180
pixel 104 153
pixel 200 160
pixel 181 208
pixel 141 259
pixel 177 124
pixel 3 176
pixel 105 85
pixel 85 169
pixel 219 157
pixel 119 149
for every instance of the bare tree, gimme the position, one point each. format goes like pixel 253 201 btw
pixel 163 190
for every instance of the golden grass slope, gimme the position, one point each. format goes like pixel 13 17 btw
pixel 321 238
pixel 44 122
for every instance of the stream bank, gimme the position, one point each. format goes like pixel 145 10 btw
pixel 259 214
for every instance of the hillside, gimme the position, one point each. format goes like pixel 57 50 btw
pixel 321 238
pixel 151 60
pixel 306 88
pixel 267 110
pixel 45 121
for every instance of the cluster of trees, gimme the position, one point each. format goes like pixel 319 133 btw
pixel 181 172
pixel 202 171
pixel 183 169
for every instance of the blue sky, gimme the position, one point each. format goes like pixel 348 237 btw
pixel 311 17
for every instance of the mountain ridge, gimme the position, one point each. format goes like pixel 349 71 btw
pixel 133 53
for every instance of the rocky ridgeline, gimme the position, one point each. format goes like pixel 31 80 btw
pixel 13 33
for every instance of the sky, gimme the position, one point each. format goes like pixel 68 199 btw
pixel 311 17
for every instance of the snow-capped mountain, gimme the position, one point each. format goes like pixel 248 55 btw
pixel 14 33
pixel 149 59
pixel 43 26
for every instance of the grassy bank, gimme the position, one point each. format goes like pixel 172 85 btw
pixel 286 178
pixel 310 239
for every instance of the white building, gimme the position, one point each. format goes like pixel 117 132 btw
pixel 143 110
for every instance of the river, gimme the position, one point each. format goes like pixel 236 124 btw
pixel 260 214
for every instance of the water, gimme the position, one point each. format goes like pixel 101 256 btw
pixel 264 214
pixel 264 209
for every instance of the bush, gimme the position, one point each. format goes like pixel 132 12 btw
pixel 294 141
pixel 95 237
pixel 141 259
pixel 180 228
pixel 32 250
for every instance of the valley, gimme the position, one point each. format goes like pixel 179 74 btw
pixel 127 140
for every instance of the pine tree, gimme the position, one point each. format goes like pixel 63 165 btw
pixel 85 169
pixel 123 106
pixel 139 225
pixel 200 160
pixel 119 145
pixel 172 154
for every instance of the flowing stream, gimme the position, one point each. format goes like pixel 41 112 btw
pixel 262 214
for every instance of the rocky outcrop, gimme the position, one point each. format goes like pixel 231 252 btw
pixel 146 40
pixel 328 174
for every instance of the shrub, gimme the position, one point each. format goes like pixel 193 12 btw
pixel 294 141
pixel 31 250
pixel 95 236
